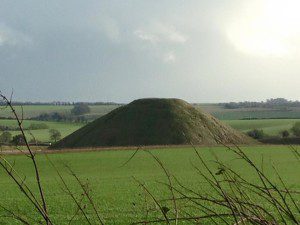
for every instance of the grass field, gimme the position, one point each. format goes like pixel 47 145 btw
pixel 250 113
pixel 35 110
pixel 117 195
pixel 271 127
pixel 42 134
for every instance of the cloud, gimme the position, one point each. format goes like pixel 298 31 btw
pixel 164 37
pixel 169 57
pixel 266 28
pixel 11 37
pixel 159 32
pixel 176 37
pixel 146 36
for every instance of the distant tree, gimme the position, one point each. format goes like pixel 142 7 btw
pixel 38 126
pixel 55 116
pixel 18 139
pixel 284 133
pixel 256 134
pixel 5 137
pixel 80 109
pixel 231 105
pixel 55 135
pixel 8 128
pixel 296 129
pixel 58 116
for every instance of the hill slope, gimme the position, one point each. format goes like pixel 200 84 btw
pixel 153 122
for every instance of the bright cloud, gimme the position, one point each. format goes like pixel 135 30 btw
pixel 169 57
pixel 159 32
pixel 146 36
pixel 163 36
pixel 266 28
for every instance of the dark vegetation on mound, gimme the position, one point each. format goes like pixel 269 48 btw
pixel 153 122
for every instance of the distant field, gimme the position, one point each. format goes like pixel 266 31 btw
pixel 263 114
pixel 250 113
pixel 117 195
pixel 214 109
pixel 269 126
pixel 35 110
pixel 43 134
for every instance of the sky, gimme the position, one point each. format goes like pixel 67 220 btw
pixel 199 51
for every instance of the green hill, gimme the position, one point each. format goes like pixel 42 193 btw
pixel 153 122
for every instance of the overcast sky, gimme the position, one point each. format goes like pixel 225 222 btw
pixel 197 50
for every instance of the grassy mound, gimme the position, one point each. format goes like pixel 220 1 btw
pixel 153 122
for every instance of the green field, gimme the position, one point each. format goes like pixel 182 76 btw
pixel 117 195
pixel 35 110
pixel 250 113
pixel 42 134
pixel 271 127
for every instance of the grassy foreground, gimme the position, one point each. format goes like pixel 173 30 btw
pixel 117 195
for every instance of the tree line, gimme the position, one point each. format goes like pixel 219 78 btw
pixel 59 103
pixel 33 126
pixel 77 115
pixel 269 103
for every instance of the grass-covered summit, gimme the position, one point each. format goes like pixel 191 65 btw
pixel 153 122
